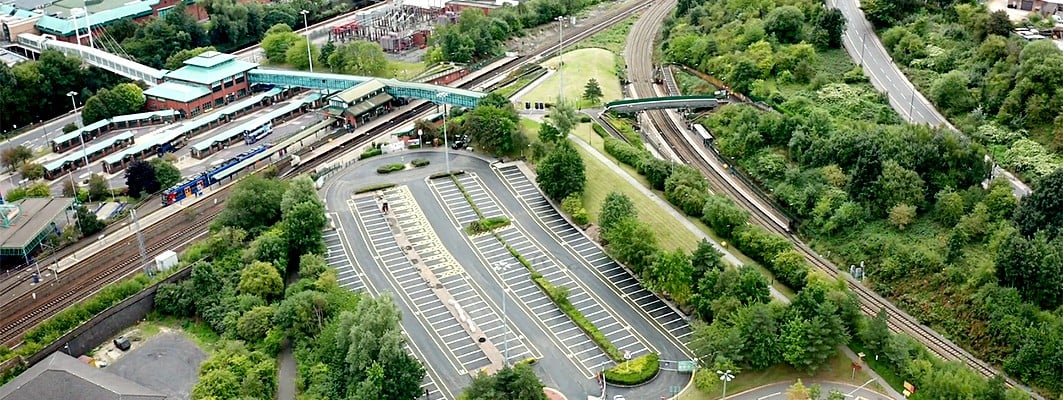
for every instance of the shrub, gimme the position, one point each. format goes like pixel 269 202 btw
pixel 486 225
pixel 573 206
pixel 419 162
pixel 373 152
pixel 635 371
pixel 624 152
pixel 560 297
pixel 600 131
pixel 389 168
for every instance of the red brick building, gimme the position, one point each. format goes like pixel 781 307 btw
pixel 208 81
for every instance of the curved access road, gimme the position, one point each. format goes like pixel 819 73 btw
pixel 867 50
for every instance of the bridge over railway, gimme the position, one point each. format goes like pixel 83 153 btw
pixel 661 103
pixel 333 83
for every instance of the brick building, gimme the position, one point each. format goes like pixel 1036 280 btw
pixel 205 82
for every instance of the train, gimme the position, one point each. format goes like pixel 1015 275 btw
pixel 195 184
pixel 706 137
pixel 251 137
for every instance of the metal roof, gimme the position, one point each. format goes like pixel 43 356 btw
pixel 143 115
pixel 74 134
pixel 64 26
pixel 77 155
pixel 177 91
pixel 209 59
pixel 102 123
pixel 168 134
pixel 35 215
pixel 213 73
pixel 250 125
pixel 63 377
pixel 364 89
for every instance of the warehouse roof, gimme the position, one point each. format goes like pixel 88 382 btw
pixel 62 377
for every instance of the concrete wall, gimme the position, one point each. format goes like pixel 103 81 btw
pixel 108 323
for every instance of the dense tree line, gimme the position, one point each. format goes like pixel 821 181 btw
pixel 34 91
pixel 347 344
pixel 125 98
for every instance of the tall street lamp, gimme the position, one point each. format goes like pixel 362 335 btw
pixel 306 27
pixel 500 268
pixel 442 96
pixel 560 60
pixel 725 376
pixel 81 135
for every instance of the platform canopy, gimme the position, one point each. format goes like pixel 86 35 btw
pixel 27 223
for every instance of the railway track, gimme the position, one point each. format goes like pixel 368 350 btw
pixel 122 260
pixel 689 151
pixel 90 275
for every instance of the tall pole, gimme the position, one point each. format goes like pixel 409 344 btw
pixel 911 117
pixel 501 267
pixel 725 376
pixel 863 45
pixel 560 59
pixel 446 145
pixel 306 28
pixel 140 243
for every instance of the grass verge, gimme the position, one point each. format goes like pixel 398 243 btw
pixel 580 66
pixel 838 369
pixel 612 39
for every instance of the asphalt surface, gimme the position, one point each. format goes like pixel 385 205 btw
pixel 431 213
pixel 778 391
pixel 167 362
pixel 38 138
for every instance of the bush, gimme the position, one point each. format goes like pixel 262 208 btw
pixel 389 168
pixel 419 162
pixel 600 131
pixel 373 188
pixel 624 152
pixel 486 225
pixel 635 371
pixel 560 297
pixel 573 206
pixel 373 152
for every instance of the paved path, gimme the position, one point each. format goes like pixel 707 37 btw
pixel 778 391
pixel 286 374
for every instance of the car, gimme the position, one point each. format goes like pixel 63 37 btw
pixel 1057 18
pixel 619 397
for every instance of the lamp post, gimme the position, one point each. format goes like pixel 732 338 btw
pixel 501 267
pixel 863 45
pixel 560 59
pixel 446 146
pixel 73 102
pixel 306 28
pixel 725 376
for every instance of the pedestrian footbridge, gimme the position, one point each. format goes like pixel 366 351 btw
pixel 331 83
pixel 661 103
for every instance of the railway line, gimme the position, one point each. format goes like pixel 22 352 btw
pixel 691 151
pixel 121 260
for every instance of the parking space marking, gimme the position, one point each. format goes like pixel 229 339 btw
pixel 624 283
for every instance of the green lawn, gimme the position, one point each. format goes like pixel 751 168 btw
pixel 198 331
pixel 405 70
pixel 838 369
pixel 580 66
pixel 612 39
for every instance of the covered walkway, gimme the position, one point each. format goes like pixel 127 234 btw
pixel 95 57
pixel 661 103
pixel 333 83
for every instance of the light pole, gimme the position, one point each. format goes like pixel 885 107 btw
pixel 560 59
pixel 725 376
pixel 306 27
pixel 863 45
pixel 501 267
pixel 446 146
pixel 81 135
pixel 911 117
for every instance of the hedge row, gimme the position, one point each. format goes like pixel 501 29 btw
pixel 389 168
pixel 420 162
pixel 636 371
pixel 624 152
pixel 560 297
pixel 372 152
pixel 373 188
pixel 486 225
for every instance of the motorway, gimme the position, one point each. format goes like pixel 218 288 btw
pixel 431 213
pixel 865 48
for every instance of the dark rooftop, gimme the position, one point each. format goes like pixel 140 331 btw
pixel 62 377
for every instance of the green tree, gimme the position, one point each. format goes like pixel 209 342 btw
pixel 166 173
pixel 510 383
pixel 296 55
pixel 302 314
pixel 176 299
pixel 261 279
pixel 312 266
pixel 177 60
pixel 278 41
pixel 31 171
pixel 785 23
pixel 706 258
pixel 830 26
pixel 87 222
pixel 303 215
pixel 901 215
pixel 561 173
pixel 14 156
pixel 549 134
pixel 140 177
pixel 1034 267
pixel 70 127
pixel 616 207
pixel 899 185
pixel 723 215
pixel 949 208
pixel 359 58
pixel 271 247
pixel 493 129
pixel 98 188
pixel 999 24
pixel 632 243
pixel 253 205
pixel 563 116
pixel 592 91
pixel 1042 209
pixel 672 274
pixel 950 92
pixel 875 334
pixel 255 324
pixel 125 98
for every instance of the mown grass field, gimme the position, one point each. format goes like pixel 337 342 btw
pixel 580 66
pixel 838 369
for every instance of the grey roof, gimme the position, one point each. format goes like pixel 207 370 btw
pixel 35 215
pixel 63 377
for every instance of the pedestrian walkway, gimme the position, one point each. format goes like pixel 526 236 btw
pixel 727 255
